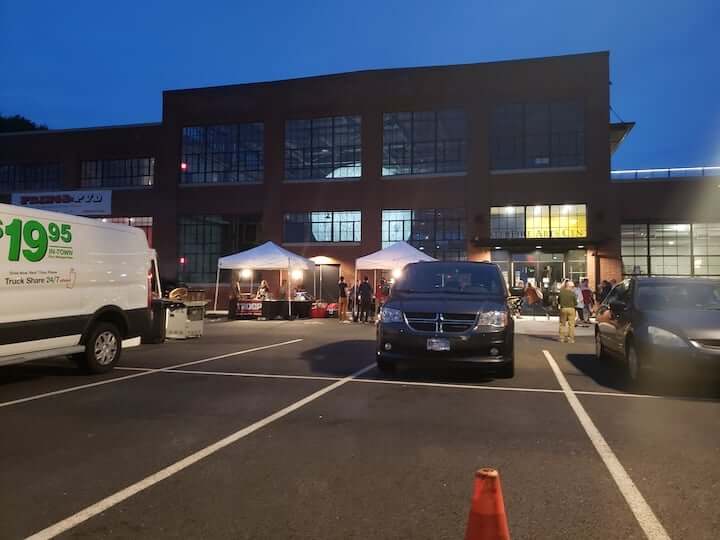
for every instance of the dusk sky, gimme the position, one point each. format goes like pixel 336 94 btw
pixel 86 63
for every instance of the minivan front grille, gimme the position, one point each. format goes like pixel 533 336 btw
pixel 447 323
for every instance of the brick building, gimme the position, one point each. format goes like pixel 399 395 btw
pixel 507 161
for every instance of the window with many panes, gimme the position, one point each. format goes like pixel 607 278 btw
pixel 330 226
pixel 323 148
pixel 706 249
pixel 202 239
pixel 568 221
pixel 431 142
pixel 30 176
pixel 671 249
pixel 537 135
pixel 222 154
pixel 634 248
pixel 118 173
pixel 438 232
pixel 507 222
pixel 539 221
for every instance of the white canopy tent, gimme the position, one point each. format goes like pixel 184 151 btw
pixel 268 256
pixel 392 258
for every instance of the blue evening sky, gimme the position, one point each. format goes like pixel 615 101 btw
pixel 81 63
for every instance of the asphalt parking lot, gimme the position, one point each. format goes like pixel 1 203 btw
pixel 286 430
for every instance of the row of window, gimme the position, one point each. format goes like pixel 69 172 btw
pixel 414 143
pixel 109 173
pixel 438 232
pixel 538 221
pixel 30 177
pixel 203 239
pixel 678 249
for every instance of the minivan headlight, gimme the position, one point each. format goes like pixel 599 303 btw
pixel 495 319
pixel 388 314
pixel 663 338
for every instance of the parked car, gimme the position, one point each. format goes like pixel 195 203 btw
pixel 454 312
pixel 661 325
pixel 71 286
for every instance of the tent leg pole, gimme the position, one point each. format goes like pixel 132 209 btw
pixel 217 284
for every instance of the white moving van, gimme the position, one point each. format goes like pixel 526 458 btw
pixel 71 286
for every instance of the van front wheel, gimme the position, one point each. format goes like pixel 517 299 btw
pixel 102 348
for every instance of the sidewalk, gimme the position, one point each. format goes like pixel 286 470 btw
pixel 543 327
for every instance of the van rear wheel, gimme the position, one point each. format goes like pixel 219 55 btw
pixel 102 348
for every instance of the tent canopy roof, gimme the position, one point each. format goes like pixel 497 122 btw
pixel 395 256
pixel 268 256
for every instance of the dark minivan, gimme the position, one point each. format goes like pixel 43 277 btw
pixel 667 325
pixel 447 312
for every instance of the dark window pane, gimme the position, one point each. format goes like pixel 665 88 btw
pixel 118 173
pixel 203 239
pixel 30 177
pixel 438 232
pixel 217 154
pixel 424 142
pixel 537 135
pixel 323 148
pixel 325 226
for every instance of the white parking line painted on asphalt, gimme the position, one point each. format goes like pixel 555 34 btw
pixel 327 378
pixel 143 373
pixel 646 518
pixel 116 498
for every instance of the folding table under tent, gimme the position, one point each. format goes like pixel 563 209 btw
pixel 393 257
pixel 268 256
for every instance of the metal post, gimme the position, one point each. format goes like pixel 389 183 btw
pixel 217 284
pixel 320 296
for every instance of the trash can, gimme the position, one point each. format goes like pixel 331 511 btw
pixel 155 332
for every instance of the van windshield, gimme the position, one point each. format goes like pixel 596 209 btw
pixel 451 278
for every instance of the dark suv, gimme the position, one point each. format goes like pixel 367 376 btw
pixel 447 312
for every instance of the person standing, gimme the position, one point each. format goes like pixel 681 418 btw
pixel 579 306
pixel 381 296
pixel 588 301
pixel 568 301
pixel 365 293
pixel 534 298
pixel 342 300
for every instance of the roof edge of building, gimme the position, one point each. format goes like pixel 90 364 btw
pixel 343 74
pixel 90 128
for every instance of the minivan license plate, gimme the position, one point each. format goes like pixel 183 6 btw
pixel 438 344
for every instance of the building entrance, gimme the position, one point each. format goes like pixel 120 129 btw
pixel 545 270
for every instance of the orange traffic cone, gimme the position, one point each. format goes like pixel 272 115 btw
pixel 487 519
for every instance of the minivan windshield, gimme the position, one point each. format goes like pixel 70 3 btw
pixel 451 279
pixel 681 295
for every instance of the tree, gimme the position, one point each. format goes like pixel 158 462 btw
pixel 18 123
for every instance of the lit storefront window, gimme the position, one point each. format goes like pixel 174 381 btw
pixel 507 222
pixel 568 221
pixel 539 221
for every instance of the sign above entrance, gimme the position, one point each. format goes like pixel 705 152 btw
pixel 78 203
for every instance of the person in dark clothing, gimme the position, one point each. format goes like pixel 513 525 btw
pixel 342 300
pixel 365 293
pixel 605 290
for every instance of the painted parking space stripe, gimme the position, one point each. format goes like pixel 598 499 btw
pixel 118 497
pixel 415 383
pixel 644 515
pixel 144 373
